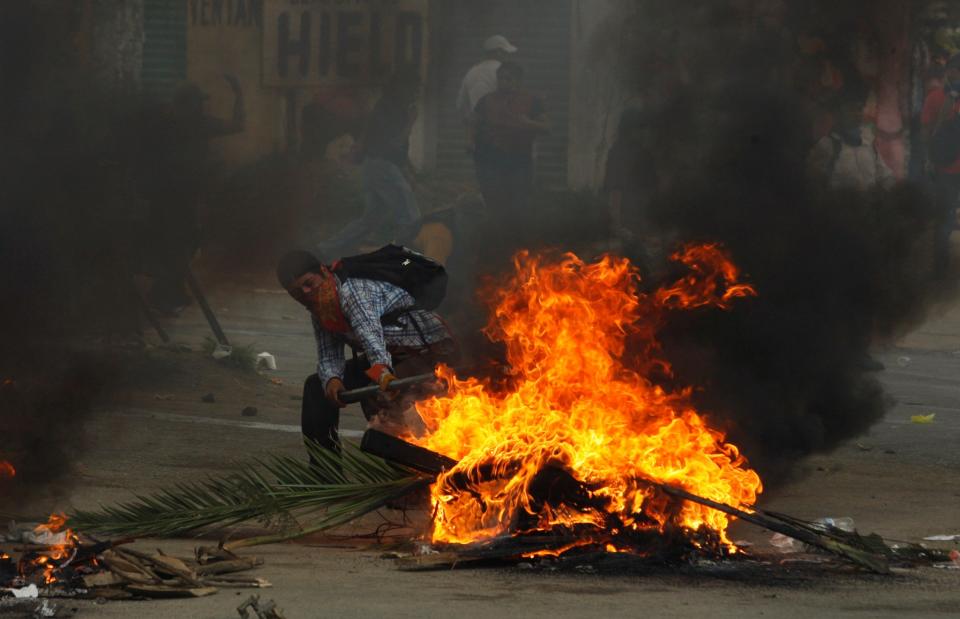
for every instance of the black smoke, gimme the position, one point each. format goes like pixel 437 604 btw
pixel 65 278
pixel 838 273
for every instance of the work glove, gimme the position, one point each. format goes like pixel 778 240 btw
pixel 382 375
pixel 385 379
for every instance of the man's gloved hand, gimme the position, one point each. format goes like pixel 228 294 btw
pixel 385 379
pixel 333 389
pixel 382 375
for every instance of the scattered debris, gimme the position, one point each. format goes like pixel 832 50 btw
pixel 841 523
pixel 953 564
pixel 221 351
pixel 863 447
pixel 45 608
pixel 249 411
pixel 241 357
pixel 943 538
pixel 276 381
pixel 785 544
pixel 78 566
pixel 163 396
pixel 903 361
pixel 267 361
pixel 208 398
pixel 923 418
pixel 262 610
pixel 30 591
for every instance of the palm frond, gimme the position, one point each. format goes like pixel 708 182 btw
pixel 281 492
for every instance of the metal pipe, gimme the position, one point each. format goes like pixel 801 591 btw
pixel 355 395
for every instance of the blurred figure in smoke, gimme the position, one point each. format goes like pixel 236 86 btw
pixel 941 130
pixel 631 179
pixel 173 179
pixel 481 79
pixel 847 158
pixel 390 211
pixel 506 123
pixel 327 117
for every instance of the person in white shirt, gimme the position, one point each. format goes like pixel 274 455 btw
pixel 847 158
pixel 481 79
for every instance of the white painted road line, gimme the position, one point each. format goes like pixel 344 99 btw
pixel 212 421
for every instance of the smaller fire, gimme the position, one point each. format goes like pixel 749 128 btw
pixel 62 545
pixel 7 470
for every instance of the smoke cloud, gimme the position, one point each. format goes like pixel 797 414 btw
pixel 837 272
pixel 63 237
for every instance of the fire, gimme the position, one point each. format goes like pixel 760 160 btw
pixel 7 470
pixel 580 414
pixel 61 549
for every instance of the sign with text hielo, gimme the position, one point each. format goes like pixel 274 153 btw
pixel 331 42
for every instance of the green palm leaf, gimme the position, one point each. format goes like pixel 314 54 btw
pixel 284 493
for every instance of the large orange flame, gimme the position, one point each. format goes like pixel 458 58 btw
pixel 7 470
pixel 576 403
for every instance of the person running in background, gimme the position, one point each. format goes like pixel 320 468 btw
pixel 940 118
pixel 847 158
pixel 481 79
pixel 390 211
pixel 173 179
pixel 506 123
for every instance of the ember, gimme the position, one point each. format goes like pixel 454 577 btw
pixel 577 436
pixel 7 470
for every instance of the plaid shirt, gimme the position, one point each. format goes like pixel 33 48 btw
pixel 363 302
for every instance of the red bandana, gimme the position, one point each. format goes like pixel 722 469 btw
pixel 327 311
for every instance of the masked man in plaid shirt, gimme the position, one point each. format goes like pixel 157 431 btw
pixel 377 321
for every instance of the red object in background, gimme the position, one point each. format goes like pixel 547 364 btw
pixel 7 470
pixel 892 21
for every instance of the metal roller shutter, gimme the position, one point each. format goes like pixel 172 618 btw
pixel 164 46
pixel 541 31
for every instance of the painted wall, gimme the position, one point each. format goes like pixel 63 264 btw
pixel 224 37
pixel 291 53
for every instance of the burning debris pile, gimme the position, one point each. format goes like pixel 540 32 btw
pixel 51 560
pixel 581 437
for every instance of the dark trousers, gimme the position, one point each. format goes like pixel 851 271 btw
pixel 506 183
pixel 172 241
pixel 947 188
pixel 320 418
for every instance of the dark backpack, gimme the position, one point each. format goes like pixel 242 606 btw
pixel 945 143
pixel 423 278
